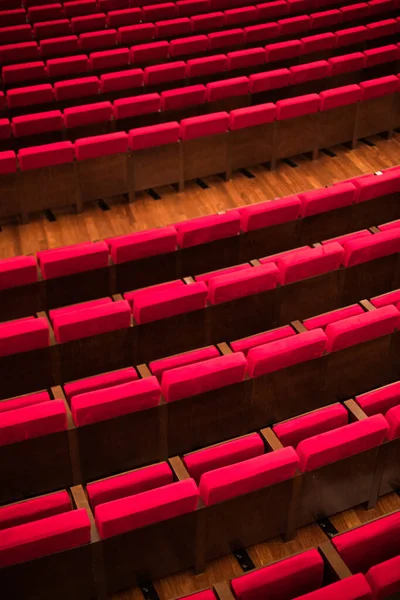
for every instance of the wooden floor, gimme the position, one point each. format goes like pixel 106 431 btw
pixel 118 217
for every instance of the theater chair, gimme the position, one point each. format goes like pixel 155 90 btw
pixel 338 458
pixel 48 545
pixel 19 274
pixel 376 111
pixel 373 549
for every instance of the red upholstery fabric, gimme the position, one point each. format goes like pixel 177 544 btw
pixel 341 239
pixel 239 284
pixel 204 595
pixel 367 248
pixel 390 225
pixel 48 12
pixel 384 578
pixel 98 382
pixel 294 431
pixel 363 547
pixel 386 299
pixel 81 7
pixel 227 88
pixel 32 422
pixel 23 335
pixel 203 376
pixel 322 200
pixel 16 271
pixel 162 304
pixel 267 214
pixel 252 116
pixel 76 88
pixel 116 401
pixel 383 54
pixel 318 43
pixel 15 34
pixel 300 573
pixel 224 39
pixel 351 588
pixel 132 34
pixel 186 8
pixel 8 162
pixel 48 155
pixel 245 344
pixel 5 129
pixel 207 276
pixel 156 289
pixel 263 32
pixel 283 50
pixel 152 51
pixel 92 321
pixel 25 51
pixel 309 72
pixel 380 400
pixel 309 263
pixel 350 36
pixel 374 88
pixel 34 509
pixel 222 455
pixel 37 123
pixel 247 476
pixel 101 145
pixel 331 317
pixel 59 45
pixel 23 401
pixel 269 10
pixel 33 71
pixel 383 28
pixel 374 186
pixel 173 27
pixel 183 97
pixel 294 25
pixel 127 16
pixel 270 80
pixel 156 12
pixel 208 22
pixel 158 367
pixel 338 444
pixel 208 229
pixel 190 45
pixel 125 108
pixel 241 59
pixel 88 23
pixel 204 125
pixel 143 244
pixel 327 18
pixel 286 353
pixel 13 17
pixel 129 484
pixel 98 39
pixel 109 59
pixel 355 12
pixel 47 536
pixel 154 135
pixel 153 506
pixel 56 312
pixel 347 63
pixel 241 16
pixel 197 67
pixel 342 96
pixel 34 94
pixel 297 107
pixel 393 418
pixel 72 65
pixel 73 259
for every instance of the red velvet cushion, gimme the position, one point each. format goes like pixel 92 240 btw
pixel 73 259
pixel 207 229
pixel 210 21
pixel 132 34
pixel 318 43
pixel 341 239
pixel 267 214
pixel 76 88
pixel 204 125
pixel 327 18
pixel 383 54
pixel 204 595
pixel 245 344
pixel 47 155
pixel 375 88
pixel 309 72
pixel 164 73
pixel 8 161
pixel 355 11
pixel 361 328
pixel 393 418
pixel 300 573
pixel 92 321
pixel 16 271
pixel 341 96
pixel 351 35
pixel 227 88
pixel 248 476
pixel 23 335
pixel 23 401
pixel 121 80
pixel 101 145
pixel 322 200
pixel 269 80
pixel 72 65
pixel 210 274
pixel 331 317
pixel 223 39
pixel 252 116
pixel 120 516
pixel 153 51
pixel 180 98
pixel 286 353
pixel 370 544
pixel 347 63
pixel 195 44
pixel 142 244
pixel 34 509
pixel 351 588
pixel 115 401
pixel 294 431
pixel 386 299
pixel 32 422
pixel 203 377
pixel 198 67
pixel 47 536
pixel 98 382
pixel 88 114
pixel 109 59
pixel 34 94
pixel 56 312
pixel 129 484
pixel 381 399
pixel 373 186
pixel 154 135
pixel 363 249
pixel 170 302
pixel 290 108
pixel 338 444
pixel 158 367
pixel 51 120
pixel 309 263
pixel 384 578
pixel 242 59
pixel 239 284
pixel 391 225
pixel 158 288
pixel 192 7
pixel 222 455
pixel 134 106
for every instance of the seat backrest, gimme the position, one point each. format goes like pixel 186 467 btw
pixel 143 244
pixel 164 303
pixel 208 229
pixel 204 125
pixel 283 50
pixel 383 54
pixel 380 400
pixel 22 401
pixel 268 214
pixel 264 32
pixel 382 86
pixel 98 382
pixel 342 96
pixel 154 135
pixel 232 286
pixel 98 39
pixel 194 44
pixel 54 313
pixel 331 317
pixel 8 162
pixel 208 65
pixel 208 22
pixel 86 23
pixel 126 16
pixel 323 200
pixel 52 29
pixel 210 274
pixel 17 271
pixel 245 344
pixel 350 36
pixel 384 578
pixel 186 8
pixel 71 65
pixel 88 114
pixel 227 88
pixel 158 367
pixel 370 187
pixel 312 262
pixel 366 248
pixel 109 59
pixel 121 80
pixel 80 7
pixel 153 51
pixel 34 509
pixel 318 43
pixel 33 71
pixel 33 421
pixel 23 335
pixel 173 27
pixel 34 94
pixel 37 123
pixel 76 88
pixel 391 225
pixel 73 259
pixel 297 107
pixel 242 59
pixel 132 34
pixel 386 299
pixel 241 16
pixel 68 44
pixel 101 145
pixel 309 72
pixel 393 418
pixel 181 98
pixel 347 63
pixel 252 116
pixel 351 588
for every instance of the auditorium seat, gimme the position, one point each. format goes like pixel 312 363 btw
pixel 381 55
pixel 386 299
pixel 380 400
pixel 136 105
pixel 34 509
pixel 158 12
pixel 80 7
pixel 47 12
pixel 58 46
pixel 47 155
pixel 318 43
pixel 241 16
pixel 17 271
pixel 32 421
pixel 173 28
pixel 73 259
pixel 261 32
pixel 239 284
pixel 27 96
pixel 327 18
pixel 196 127
pixel 168 285
pixel 132 34
pixel 158 367
pixel 200 67
pixel 208 229
pixel 99 382
pixel 347 63
pixel 283 50
pixel 22 52
pixel 15 34
pixel 8 162
pixel 294 431
pixel 109 59
pixel 13 17
pixel 210 274
pixel 162 74
pixel 364 249
pixel 245 344
pixel 228 88
pixel 142 244
pixel 88 114
pixel 154 135
pixel 76 88
pixel 389 226
pixel 322 200
pixel 73 65
pixel 23 335
pixel 5 129
pixel 351 36
pixel 122 80
pixel 188 8
pixel 126 16
pixel 155 305
pixel 355 12
pixel 52 29
pixel 242 59
pixel 251 116
pixel 207 22
pixel 37 123
pixel 195 44
pixel 88 23
pixel 97 40
pixel 101 145
pixel 309 72
pixel 268 214
pixel 153 51
pixel 182 98
pixel 226 39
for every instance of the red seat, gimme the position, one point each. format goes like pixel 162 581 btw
pixel 143 244
pixel 5 129
pixel 98 39
pixel 271 10
pixel 154 51
pixel 208 229
pixel 384 578
pixel 56 46
pixel 173 28
pixel 23 335
pixel 195 44
pixel 347 63
pixel 37 123
pixel 252 116
pixel 383 54
pixel 183 97
pixel 390 225
pixel 318 43
pixel 76 88
pixel 350 36
pixel 159 288
pixel 241 16
pixel 109 59
pixel 173 71
pixel 34 509
pixel 270 213
pixel 325 19
pixel 121 80
pixel 61 262
pixel 158 367
pixel 297 107
pixel 198 67
pixel 254 280
pixel 27 96
pixel 99 382
pixel 19 270
pixel 386 299
pixel 72 65
pixel 80 7
pixel 13 17
pixel 242 59
pixel 294 431
pixel 111 5
pixel 374 186
pixel 309 72
pixel 301 6
pixel 331 317
pixel 159 12
pixel 377 7
pixel 8 162
pixel 375 88
pixel 270 80
pixel 261 33
pixel 15 34
pixel 188 8
pixel 355 12
pixel 381 29
pixel 204 125
pixel 224 39
pixel 116 401
pixel 120 18
pixel 162 304
pixel 323 200
pixel 137 105
pixel 342 239
pixel 210 274
pixel 88 114
pixel 46 156
pixel 245 344
pixel 52 29
pixel 294 25
pixel 311 262
pixel 363 249
pixel 23 52
pixel 283 50
pixel 41 419
pixel 132 34
pixel 154 135
pixel 228 88
pixel 88 23
pixel 341 96
pixel 207 22
pixel 49 12
pixel 380 400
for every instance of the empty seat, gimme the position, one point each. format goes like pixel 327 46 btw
pixel 350 36
pixel 153 51
pixel 210 274
pixel 238 284
pixel 297 107
pixel 120 18
pixel 25 51
pixel 341 239
pixel 208 229
pixel 172 71
pixel 187 8
pixel 57 46
pixel 5 129
pixel 137 105
pixel 252 116
pixel 318 43
pixel 52 29
pixel 245 344
pixel 202 377
pixel 267 214
pixel 13 17
pixel 37 123
pixel 143 244
pixel 286 352
pixel 80 7
pixel 386 299
pixel 158 367
pixel 199 67
pixel 154 135
pixel 132 34
pixel 17 271
pixel 72 65
pixel 121 80
pixel 341 96
pixel 98 382
pixel 111 5
pixel 212 124
pixel 76 88
pixel 390 225
pixel 224 39
pixel 327 18
pixel 377 7
pixel 309 263
pixel 380 29
pixel 208 22
pixel 48 12
pixel 241 16
pixel 101 145
pixel 15 34
pixel 132 296
pixel 383 54
pixel 363 249
pixel 116 401
pixel 34 421
pixel 34 509
pixel 375 88
pixel 347 63
pixel 88 23
pixel 155 305
pixel 283 50
pixel 27 96
pixel 8 162
pixel 109 59
pixel 323 200
pixel 159 12
pixel 23 335
pixel 183 97
pixel 46 156
pixel 228 88
pixel 271 10
pixel 384 578
pixel 173 27
pixel 262 32
pixel 380 400
pixel 242 59
pixel 98 39
pixel 355 12
pixel 393 418
pixel 195 44
pixel 375 186
pixel 61 262
pixel 294 25
pixel 331 317
pixel 270 80
pixel 309 72
pixel 87 114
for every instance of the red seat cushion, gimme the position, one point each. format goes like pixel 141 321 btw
pixel 383 28
pixel 143 244
pixel 81 7
pixel 245 344
pixel 158 367
pixel 154 135
pixel 294 431
pixel 162 304
pixel 160 287
pixel 380 400
pixel 85 23
pixel 72 65
pixel 126 16
pixel 208 22
pixel 298 574
pixel 34 94
pixel 283 50
pixel 116 401
pixel 248 476
pixel 194 44
pixel 254 280
pixel 34 509
pixel 351 588
pixel 384 578
pixel 393 418
pixel 16 271
pixel 252 116
pixel 98 39
pixel 390 225
pixel 76 88
pixel 309 72
pixel 370 187
pixel 210 274
pixel 173 27
pixel 342 96
pixel 327 18
pixel 375 88
pixel 13 17
pixel 48 155
pixel 222 455
pixel 341 239
pixel 241 16
pixel 270 80
pixel 297 107
pixel 23 401
pixel 186 8
pixel 262 32
pixel 109 59
pixel 98 382
pixel 132 34
pixel 158 12
pixel 34 71
pixel 309 263
pixel 22 52
pixel 350 36
pixel 347 63
pixel 23 335
pixel 224 39
pixel 331 317
pixel 32 422
pixel 124 108
pixel 267 214
pixel 204 125
pixel 318 43
pixel 56 312
pixel 286 353
pixel 198 67
pixel 73 259
pixel 273 258
pixel 47 536
pixel 338 444
pixel 129 484
pixel 363 547
pixel 181 98
pixel 208 229
pixel 241 59
pixel 363 249
pixel 227 88
pixel 123 515
pixel 383 54
pixel 203 377
pixel 323 200
pixel 59 45
pixel 386 299
pixel 47 12
pixel 355 12
pixel 37 123
pixel 153 51
pixel 101 145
